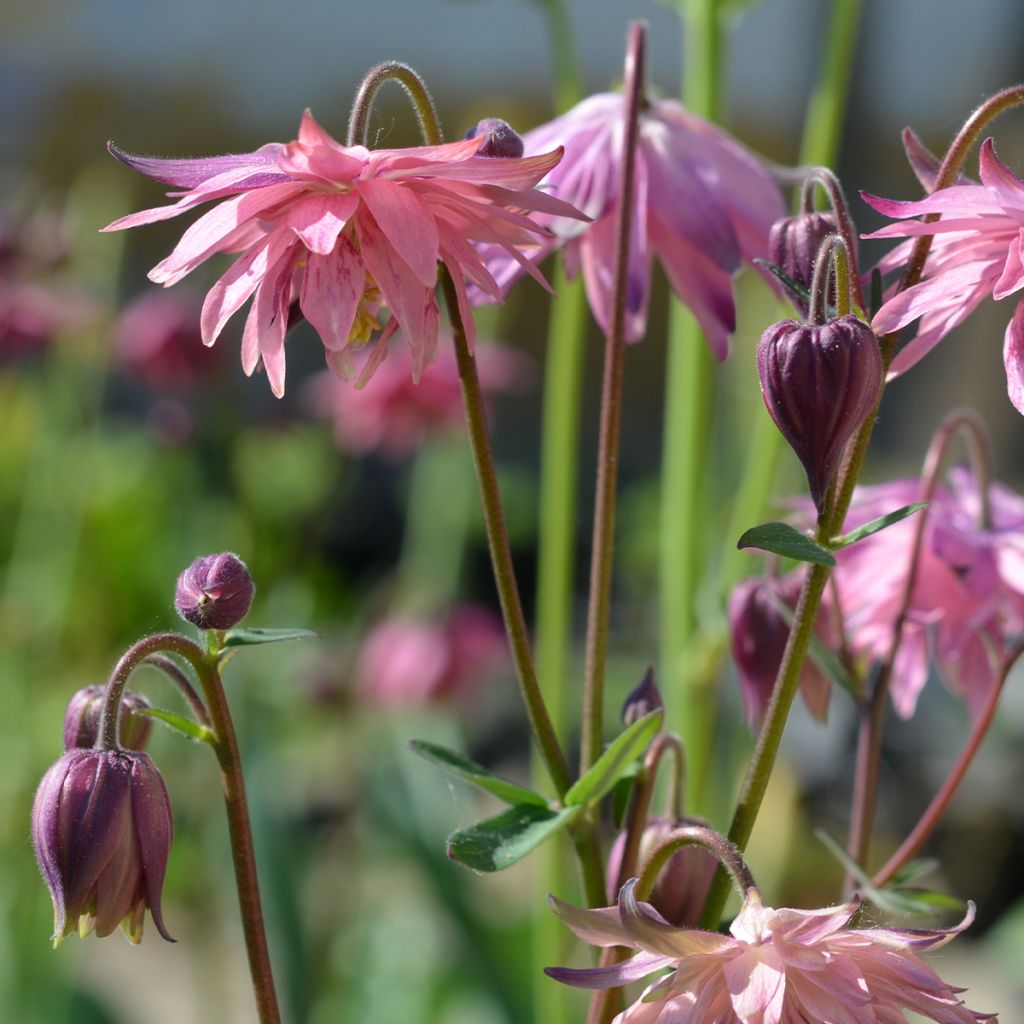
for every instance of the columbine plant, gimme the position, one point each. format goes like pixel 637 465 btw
pixel 356 241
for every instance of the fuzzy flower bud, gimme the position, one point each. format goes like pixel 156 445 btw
pixel 644 698
pixel 501 138
pixel 101 827
pixel 82 719
pixel 819 382
pixel 793 247
pixel 683 884
pixel 214 592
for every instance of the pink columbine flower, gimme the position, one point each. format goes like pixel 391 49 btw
pixel 976 252
pixel 704 206
pixel 407 661
pixel 345 232
pixel 968 600
pixel 396 415
pixel 775 967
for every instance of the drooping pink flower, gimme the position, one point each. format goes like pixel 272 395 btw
pixel 346 232
pixel 968 599
pixel 704 206
pixel 406 661
pixel 776 967
pixel 395 415
pixel 976 252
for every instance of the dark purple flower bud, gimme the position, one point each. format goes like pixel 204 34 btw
pixel 793 245
pixel 82 719
pixel 214 592
pixel 642 700
pixel 760 630
pixel 682 887
pixel 101 827
pixel 501 139
pixel 819 382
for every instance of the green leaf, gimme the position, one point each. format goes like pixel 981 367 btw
pixel 475 774
pixel 499 842
pixel 188 726
pixel 615 761
pixel 248 637
pixel 877 524
pixel 783 539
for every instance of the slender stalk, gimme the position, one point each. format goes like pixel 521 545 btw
pixel 416 90
pixel 869 737
pixel 937 808
pixel 226 748
pixel 173 671
pixel 611 419
pixel 729 855
pixel 844 223
pixel 501 554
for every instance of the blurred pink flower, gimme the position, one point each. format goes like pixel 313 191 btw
pixel 705 205
pixel 405 662
pixel 968 599
pixel 345 231
pixel 976 252
pixel 157 337
pixel 395 415
pixel 776 967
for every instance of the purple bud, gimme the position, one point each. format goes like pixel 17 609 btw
pixel 683 884
pixel 642 700
pixel 214 592
pixel 101 827
pixel 760 631
pixel 793 245
pixel 501 139
pixel 819 382
pixel 82 719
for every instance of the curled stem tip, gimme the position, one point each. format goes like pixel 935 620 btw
pixel 415 88
pixel 832 261
pixel 728 854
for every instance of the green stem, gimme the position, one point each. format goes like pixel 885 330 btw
pixel 602 555
pixel 228 757
pixel 416 90
pixel 501 554
pixel 173 671
pixel 729 855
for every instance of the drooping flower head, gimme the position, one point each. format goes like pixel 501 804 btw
pixel 704 206
pixel 85 709
pixel 345 232
pixel 775 967
pixel 967 604
pixel 975 252
pixel 101 827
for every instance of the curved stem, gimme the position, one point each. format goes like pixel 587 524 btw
pixel 950 170
pixel 415 88
pixel 832 261
pixel 501 554
pixel 869 739
pixel 933 815
pixel 611 418
pixel 729 855
pixel 844 224
pixel 177 676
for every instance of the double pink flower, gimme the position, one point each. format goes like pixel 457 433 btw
pixel 345 231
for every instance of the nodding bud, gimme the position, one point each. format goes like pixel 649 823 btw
pixel 682 886
pixel 819 382
pixel 793 245
pixel 101 827
pixel 214 592
pixel 760 630
pixel 82 719
pixel 501 140
pixel 644 698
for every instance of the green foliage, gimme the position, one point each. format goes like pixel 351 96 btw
pixel 475 774
pixel 497 843
pixel 786 540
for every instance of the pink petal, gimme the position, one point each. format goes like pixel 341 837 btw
pixel 332 288
pixel 908 305
pixel 377 354
pixel 256 169
pixel 1013 358
pixel 997 177
pixel 406 223
pixel 957 199
pixel 318 157
pixel 757 983
pixel 319 218
pixel 1012 277
pixel 600 927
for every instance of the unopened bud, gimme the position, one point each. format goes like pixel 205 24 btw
pixel 501 140
pixel 642 700
pixel 101 827
pixel 793 245
pixel 85 709
pixel 214 592
pixel 819 382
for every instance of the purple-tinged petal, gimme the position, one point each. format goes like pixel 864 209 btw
pixel 377 353
pixel 598 927
pixel 407 224
pixel 633 969
pixel 332 288
pixel 920 940
pixel 908 305
pixel 258 168
pixel 1012 277
pixel 997 177
pixel 967 200
pixel 923 162
pixel 1013 358
pixel 272 302
pixel 648 930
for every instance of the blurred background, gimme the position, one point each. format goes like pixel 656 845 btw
pixel 127 449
